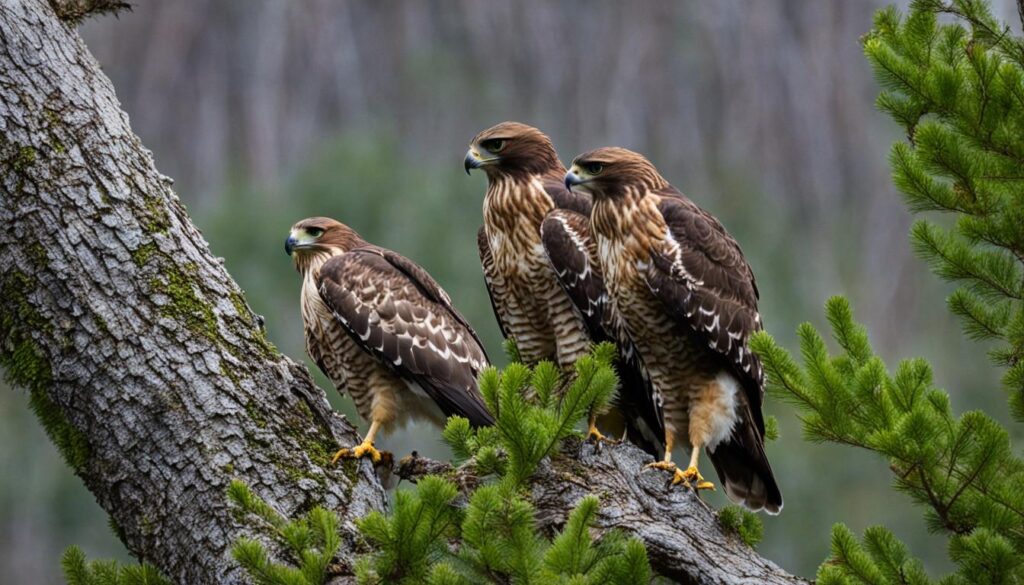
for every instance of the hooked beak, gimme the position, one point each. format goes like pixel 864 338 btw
pixel 572 179
pixel 290 243
pixel 473 160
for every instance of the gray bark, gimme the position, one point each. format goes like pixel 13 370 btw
pixel 143 360
pixel 685 542
pixel 154 377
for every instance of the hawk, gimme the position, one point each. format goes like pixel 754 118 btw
pixel 688 301
pixel 384 332
pixel 541 271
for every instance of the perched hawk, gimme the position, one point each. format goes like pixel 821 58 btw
pixel 382 330
pixel 541 270
pixel 688 300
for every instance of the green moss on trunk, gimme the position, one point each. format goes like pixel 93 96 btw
pixel 27 366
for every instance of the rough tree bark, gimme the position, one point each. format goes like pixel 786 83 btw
pixel 142 358
pixel 684 539
pixel 155 379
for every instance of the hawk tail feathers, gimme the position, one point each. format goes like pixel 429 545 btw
pixel 641 415
pixel 746 476
pixel 478 415
pixel 466 403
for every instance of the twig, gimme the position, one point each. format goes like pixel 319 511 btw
pixel 74 12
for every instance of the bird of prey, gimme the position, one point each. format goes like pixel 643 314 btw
pixel 384 332
pixel 688 300
pixel 541 273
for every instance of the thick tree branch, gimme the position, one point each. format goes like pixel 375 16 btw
pixel 684 539
pixel 143 361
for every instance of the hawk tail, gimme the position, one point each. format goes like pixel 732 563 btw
pixel 641 417
pixel 746 475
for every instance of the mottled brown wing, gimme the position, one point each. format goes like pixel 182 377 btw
pixel 493 280
pixel 707 285
pixel 572 252
pixel 393 309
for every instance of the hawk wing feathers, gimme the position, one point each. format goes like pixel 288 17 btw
pixel 393 309
pixel 492 280
pixel 572 251
pixel 705 283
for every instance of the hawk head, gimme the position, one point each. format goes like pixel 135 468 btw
pixel 511 148
pixel 319 238
pixel 612 172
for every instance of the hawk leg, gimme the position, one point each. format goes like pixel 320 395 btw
pixel 667 465
pixel 594 435
pixel 693 476
pixel 364 449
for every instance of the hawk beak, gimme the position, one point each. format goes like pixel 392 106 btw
pixel 472 161
pixel 572 179
pixel 289 244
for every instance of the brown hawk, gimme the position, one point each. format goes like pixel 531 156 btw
pixel 688 300
pixel 384 332
pixel 541 270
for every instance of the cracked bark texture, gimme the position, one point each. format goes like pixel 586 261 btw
pixel 685 542
pixel 155 379
pixel 142 359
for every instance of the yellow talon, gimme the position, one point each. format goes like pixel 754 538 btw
pixel 364 449
pixel 595 435
pixel 677 475
pixel 680 478
pixel 663 465
pixel 692 475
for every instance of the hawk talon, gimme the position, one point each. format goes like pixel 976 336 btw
pixel 692 475
pixel 677 475
pixel 364 449
pixel 662 465
pixel 680 478
pixel 595 436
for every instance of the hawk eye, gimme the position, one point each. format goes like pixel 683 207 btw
pixel 494 145
pixel 315 232
pixel 593 168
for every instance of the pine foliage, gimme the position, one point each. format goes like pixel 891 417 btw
pixel 79 571
pixel 742 522
pixel 961 469
pixel 437 535
pixel 427 539
pixel 309 543
pixel 957 89
pixel 953 78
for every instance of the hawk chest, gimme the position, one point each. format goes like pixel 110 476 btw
pixel 513 212
pixel 625 255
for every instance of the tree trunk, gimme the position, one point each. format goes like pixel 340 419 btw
pixel 143 361
pixel 155 379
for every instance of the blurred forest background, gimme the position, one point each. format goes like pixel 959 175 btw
pixel 268 111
